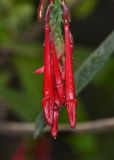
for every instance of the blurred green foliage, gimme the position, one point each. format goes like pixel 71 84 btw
pixel 85 8
pixel 16 17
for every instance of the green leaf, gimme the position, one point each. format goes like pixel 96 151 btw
pixel 40 125
pixel 87 71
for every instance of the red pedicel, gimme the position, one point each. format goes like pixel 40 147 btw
pixel 48 101
pixel 57 74
pixel 69 79
pixel 47 16
pixel 40 9
pixel 66 13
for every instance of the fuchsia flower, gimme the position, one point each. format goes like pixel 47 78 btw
pixel 58 87
pixel 48 99
pixel 57 74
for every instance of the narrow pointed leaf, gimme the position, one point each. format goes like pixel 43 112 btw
pixel 87 71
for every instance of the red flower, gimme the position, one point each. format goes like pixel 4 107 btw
pixel 69 79
pixel 57 74
pixel 58 87
pixel 48 100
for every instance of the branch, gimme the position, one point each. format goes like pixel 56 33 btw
pixel 27 129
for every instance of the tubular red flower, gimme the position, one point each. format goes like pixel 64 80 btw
pixel 48 101
pixel 57 74
pixel 57 106
pixel 69 79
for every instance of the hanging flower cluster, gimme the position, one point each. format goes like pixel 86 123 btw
pixel 58 86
